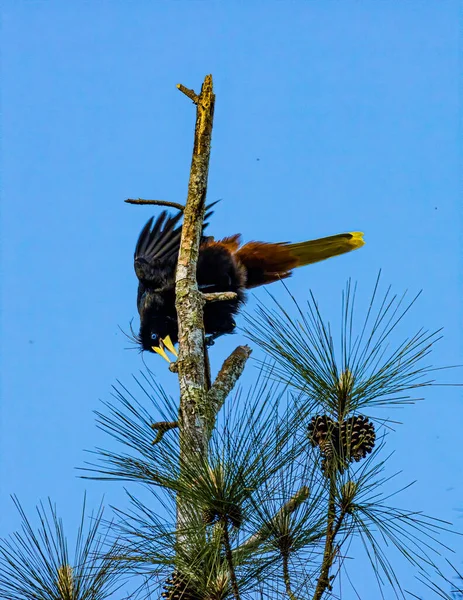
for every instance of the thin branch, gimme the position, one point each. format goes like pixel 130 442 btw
pixel 229 559
pixel 333 526
pixel 176 205
pixel 220 296
pixel 162 427
pixel 266 531
pixel 225 381
pixel 190 93
pixel 286 577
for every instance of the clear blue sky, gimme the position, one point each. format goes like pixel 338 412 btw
pixel 330 117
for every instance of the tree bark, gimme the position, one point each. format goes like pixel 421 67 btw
pixel 189 301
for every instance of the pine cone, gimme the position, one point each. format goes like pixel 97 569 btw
pixel 235 516
pixel 210 516
pixel 321 428
pixel 177 588
pixel 323 432
pixel 341 445
pixel 357 437
pixel 232 513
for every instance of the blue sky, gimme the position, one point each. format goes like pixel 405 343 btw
pixel 330 117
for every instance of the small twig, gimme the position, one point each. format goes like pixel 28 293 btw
pixel 190 93
pixel 266 531
pixel 220 296
pixel 176 205
pixel 162 427
pixel 225 381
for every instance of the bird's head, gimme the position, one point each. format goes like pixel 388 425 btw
pixel 157 318
pixel 156 335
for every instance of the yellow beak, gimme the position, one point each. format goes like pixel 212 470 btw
pixel 165 343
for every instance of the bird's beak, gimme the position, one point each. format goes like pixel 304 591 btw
pixel 165 343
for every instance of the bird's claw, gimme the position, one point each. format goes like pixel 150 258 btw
pixel 210 341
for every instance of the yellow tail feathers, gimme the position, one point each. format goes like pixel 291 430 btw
pixel 313 251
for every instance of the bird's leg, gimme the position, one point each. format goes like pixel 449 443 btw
pixel 210 339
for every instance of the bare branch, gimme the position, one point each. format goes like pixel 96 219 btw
pixel 190 93
pixel 176 205
pixel 162 427
pixel 220 296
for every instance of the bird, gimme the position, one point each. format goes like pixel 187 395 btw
pixel 223 265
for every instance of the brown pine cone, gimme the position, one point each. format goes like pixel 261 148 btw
pixel 321 428
pixel 177 588
pixel 357 437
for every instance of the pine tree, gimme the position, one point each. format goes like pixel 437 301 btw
pixel 38 565
pixel 263 490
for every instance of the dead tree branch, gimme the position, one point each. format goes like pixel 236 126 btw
pixel 176 205
pixel 190 93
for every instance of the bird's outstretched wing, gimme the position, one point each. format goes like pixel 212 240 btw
pixel 159 243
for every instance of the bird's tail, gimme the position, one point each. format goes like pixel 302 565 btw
pixel 265 263
pixel 313 251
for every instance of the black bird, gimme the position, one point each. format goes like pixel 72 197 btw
pixel 223 266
